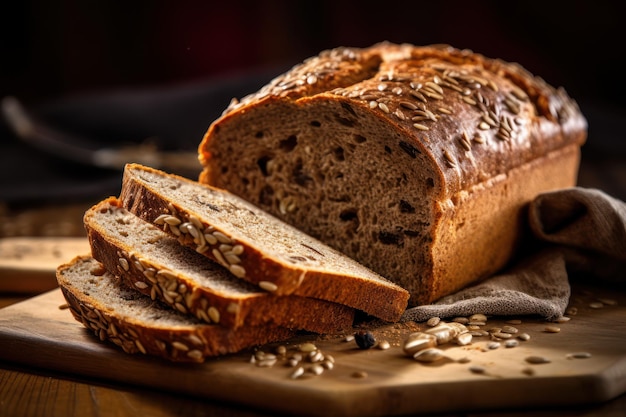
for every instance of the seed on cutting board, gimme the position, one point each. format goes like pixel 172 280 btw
pixel 429 355
pixel 348 338
pixel 514 321
pixel 359 374
pixel 418 341
pixel 536 360
pixel 528 371
pixel 266 362
pixel 552 329
pixel 297 373
pixel 578 355
pixel 477 369
pixel 523 337
pixel 463 339
pixel 383 345
pixel 315 356
pixel 596 305
pixel 316 369
pixel 478 317
pixel 509 329
pixel 307 347
pixel 562 319
pixel 493 345
pixel 572 311
pixel 511 343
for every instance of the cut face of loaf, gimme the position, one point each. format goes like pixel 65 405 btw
pixel 154 263
pixel 415 161
pixel 255 246
pixel 137 324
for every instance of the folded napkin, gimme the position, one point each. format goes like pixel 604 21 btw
pixel 579 232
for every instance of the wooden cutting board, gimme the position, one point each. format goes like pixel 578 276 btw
pixel 373 382
pixel 28 264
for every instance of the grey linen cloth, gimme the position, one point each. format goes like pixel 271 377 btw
pixel 577 231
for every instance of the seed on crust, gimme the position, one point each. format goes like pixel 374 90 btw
pixel 266 285
pixel 141 285
pixel 240 272
pixel 214 314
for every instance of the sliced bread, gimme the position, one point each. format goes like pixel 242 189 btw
pixel 137 324
pixel 156 264
pixel 254 245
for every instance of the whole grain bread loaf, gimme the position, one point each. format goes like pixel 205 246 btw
pixel 254 245
pixel 137 324
pixel 156 264
pixel 417 162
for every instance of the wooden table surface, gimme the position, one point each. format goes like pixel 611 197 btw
pixel 29 392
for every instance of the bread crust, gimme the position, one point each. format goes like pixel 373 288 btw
pixel 188 341
pixel 155 264
pixel 465 121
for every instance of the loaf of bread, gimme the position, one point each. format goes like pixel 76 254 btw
pixel 157 265
pixel 255 246
pixel 137 324
pixel 417 162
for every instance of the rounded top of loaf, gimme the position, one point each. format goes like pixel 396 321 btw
pixel 473 116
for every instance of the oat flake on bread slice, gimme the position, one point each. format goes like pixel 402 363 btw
pixel 254 245
pixel 157 265
pixel 137 324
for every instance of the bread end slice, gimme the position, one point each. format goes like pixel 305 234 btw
pixel 138 325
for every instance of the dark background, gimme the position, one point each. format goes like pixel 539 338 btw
pixel 65 59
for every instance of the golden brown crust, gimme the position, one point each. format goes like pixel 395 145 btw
pixel 456 123
pixel 227 304
pixel 484 116
pixel 188 341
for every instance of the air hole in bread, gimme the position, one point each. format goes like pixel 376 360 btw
pixel 288 144
pixel 359 139
pixel 387 149
pixel 390 238
pixel 406 207
pixel 348 215
pixel 259 134
pixel 262 163
pixel 430 182
pixel 315 123
pixel 339 155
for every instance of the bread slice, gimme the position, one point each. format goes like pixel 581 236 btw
pixel 255 246
pixel 417 162
pixel 137 324
pixel 154 263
